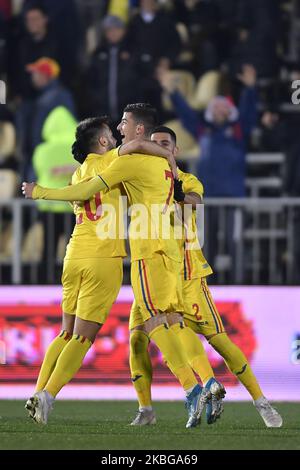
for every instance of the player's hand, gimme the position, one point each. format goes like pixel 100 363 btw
pixel 248 75
pixel 27 189
pixel 178 191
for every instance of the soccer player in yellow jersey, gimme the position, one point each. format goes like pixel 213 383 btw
pixel 200 313
pixel 155 268
pixel 88 292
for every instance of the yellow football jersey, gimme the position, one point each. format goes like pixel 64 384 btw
pixel 98 233
pixel 195 264
pixel 149 183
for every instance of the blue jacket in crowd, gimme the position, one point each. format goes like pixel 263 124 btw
pixel 221 166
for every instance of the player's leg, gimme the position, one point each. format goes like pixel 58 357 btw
pixel 235 359
pixel 199 362
pixel 70 360
pixel 71 286
pixel 140 367
pixel 155 285
pixel 97 293
pixel 193 347
pixel 54 350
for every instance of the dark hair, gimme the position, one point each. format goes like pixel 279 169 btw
pixel 143 113
pixel 87 135
pixel 35 6
pixel 165 130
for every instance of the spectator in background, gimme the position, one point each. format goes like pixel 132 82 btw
pixel 36 38
pixel 156 44
pixel 54 165
pixel 63 19
pixel 112 78
pixel 274 133
pixel 28 46
pixel 222 133
pixel 31 117
pixel 201 20
pixel 258 35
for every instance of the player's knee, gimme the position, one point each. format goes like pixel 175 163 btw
pixel 154 322
pixel 215 336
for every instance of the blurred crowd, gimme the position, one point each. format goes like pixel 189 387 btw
pixel 219 73
pixel 93 57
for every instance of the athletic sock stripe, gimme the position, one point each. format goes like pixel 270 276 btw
pixel 188 264
pixel 184 269
pixel 143 289
pixel 212 307
pixel 208 303
pixel 147 288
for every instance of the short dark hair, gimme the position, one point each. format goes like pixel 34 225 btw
pixel 143 113
pixel 87 135
pixel 165 130
pixel 35 6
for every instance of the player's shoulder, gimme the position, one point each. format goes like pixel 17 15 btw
pixel 183 176
pixel 191 181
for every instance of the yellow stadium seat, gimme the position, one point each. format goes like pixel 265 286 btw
pixel 6 243
pixel 33 244
pixel 7 139
pixel 206 88
pixel 185 82
pixel 61 248
pixel 8 184
pixel 188 146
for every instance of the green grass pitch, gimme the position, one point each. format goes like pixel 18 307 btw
pixel 88 425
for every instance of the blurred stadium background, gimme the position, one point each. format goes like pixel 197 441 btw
pixel 114 52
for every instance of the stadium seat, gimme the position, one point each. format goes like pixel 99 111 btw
pixel 33 244
pixel 7 139
pixel 61 248
pixel 188 146
pixel 8 184
pixel 6 239
pixel 183 32
pixel 186 85
pixel 206 88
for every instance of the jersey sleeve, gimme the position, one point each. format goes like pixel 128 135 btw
pixel 191 184
pixel 75 176
pixel 120 170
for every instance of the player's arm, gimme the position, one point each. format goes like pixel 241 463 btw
pixel 146 147
pixel 194 191
pixel 122 169
pixel 76 192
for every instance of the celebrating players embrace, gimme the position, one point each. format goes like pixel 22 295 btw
pixel 168 273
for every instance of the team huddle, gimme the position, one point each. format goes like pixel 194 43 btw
pixel 172 301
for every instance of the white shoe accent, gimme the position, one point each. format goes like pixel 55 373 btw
pixel 271 417
pixel 30 406
pixel 42 408
pixel 143 418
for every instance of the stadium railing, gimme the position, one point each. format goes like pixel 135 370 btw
pixel 247 241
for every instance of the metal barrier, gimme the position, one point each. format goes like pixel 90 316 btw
pixel 247 241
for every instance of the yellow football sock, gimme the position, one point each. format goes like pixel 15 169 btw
pixel 170 346
pixel 194 351
pixel 68 363
pixel 140 367
pixel 237 363
pixel 51 356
